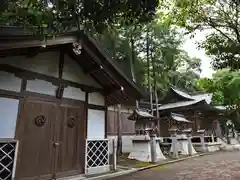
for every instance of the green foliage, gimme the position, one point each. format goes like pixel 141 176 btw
pixel 220 17
pixel 204 84
pixel 117 42
pixel 229 85
pixel 122 27
pixel 209 86
pixel 225 87
pixel 170 65
pixel 63 15
pixel 225 52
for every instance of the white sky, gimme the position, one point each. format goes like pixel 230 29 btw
pixel 191 47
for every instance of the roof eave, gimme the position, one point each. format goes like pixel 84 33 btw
pixel 16 42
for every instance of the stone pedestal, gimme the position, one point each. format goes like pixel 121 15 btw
pixel 184 144
pixel 141 148
pixel 201 133
pixel 153 148
pixel 191 150
pixel 217 128
pixel 174 144
pixel 146 149
pixel 159 154
pixel 238 136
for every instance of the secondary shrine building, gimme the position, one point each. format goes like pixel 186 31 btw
pixel 54 98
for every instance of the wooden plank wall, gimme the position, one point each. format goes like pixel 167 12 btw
pixel 127 126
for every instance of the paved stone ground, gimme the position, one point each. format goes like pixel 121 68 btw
pixel 218 166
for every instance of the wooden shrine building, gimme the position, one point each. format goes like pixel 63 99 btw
pixel 196 108
pixel 54 96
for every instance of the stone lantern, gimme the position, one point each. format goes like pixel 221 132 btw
pixel 146 146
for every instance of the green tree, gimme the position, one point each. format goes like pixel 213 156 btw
pixel 220 17
pixel 209 86
pixel 229 85
pixel 121 43
pixel 225 86
pixel 62 15
pixel 169 64
pixel 187 72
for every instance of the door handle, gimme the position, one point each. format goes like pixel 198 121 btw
pixel 56 144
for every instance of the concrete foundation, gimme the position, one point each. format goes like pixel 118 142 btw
pixel 142 149
pixel 209 147
pixel 182 145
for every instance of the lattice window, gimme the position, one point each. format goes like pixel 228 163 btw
pixel 7 159
pixel 97 153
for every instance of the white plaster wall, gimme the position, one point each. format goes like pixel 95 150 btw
pixel 124 108
pixel 8 114
pixel 96 124
pixel 44 63
pixel 96 98
pixel 40 86
pixel 127 145
pixel 74 93
pixel 73 72
pixel 9 82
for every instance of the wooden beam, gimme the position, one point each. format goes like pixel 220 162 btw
pixel 110 101
pixel 61 63
pixel 98 61
pixel 109 68
pixel 76 57
pixel 123 133
pixel 92 71
pixel 27 51
pixel 96 107
pixel 10 94
pixel 49 41
pixel 25 74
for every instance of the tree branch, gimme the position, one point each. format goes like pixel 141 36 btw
pixel 232 24
pixel 236 21
pixel 214 26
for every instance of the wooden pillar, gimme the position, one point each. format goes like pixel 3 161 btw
pixel 114 153
pixel 106 117
pixel 198 126
pixel 119 131
pixel 86 113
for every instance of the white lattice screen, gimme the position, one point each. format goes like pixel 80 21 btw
pixel 7 159
pixel 97 154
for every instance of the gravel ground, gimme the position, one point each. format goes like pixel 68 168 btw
pixel 218 166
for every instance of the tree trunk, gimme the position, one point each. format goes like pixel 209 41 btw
pixel 119 123
pixel 148 63
pixel 132 60
pixel 153 60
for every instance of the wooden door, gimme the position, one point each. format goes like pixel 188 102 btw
pixel 36 138
pixel 71 138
